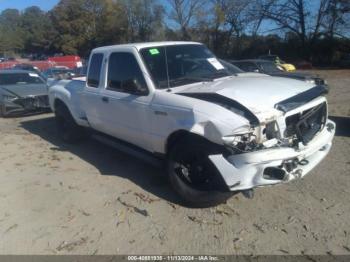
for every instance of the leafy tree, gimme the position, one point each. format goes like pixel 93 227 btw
pixel 183 12
pixel 291 16
pixel 238 19
pixel 218 22
pixel 316 29
pixel 39 31
pixel 111 25
pixel 74 25
pixel 11 33
pixel 337 20
pixel 145 20
pixel 84 24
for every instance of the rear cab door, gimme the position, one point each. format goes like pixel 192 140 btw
pixel 91 96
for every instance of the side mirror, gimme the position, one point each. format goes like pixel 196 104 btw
pixel 132 86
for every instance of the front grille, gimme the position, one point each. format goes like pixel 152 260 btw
pixel 307 124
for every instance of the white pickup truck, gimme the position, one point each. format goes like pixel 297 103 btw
pixel 219 133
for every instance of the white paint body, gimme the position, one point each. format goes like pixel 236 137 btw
pixel 148 121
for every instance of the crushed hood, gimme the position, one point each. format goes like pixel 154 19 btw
pixel 258 94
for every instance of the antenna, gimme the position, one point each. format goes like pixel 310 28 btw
pixel 167 68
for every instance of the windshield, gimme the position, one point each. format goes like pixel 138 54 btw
pixel 20 79
pixel 270 67
pixel 176 65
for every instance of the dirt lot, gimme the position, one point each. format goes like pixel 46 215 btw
pixel 91 199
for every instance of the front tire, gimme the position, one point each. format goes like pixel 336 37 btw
pixel 2 111
pixel 68 130
pixel 193 176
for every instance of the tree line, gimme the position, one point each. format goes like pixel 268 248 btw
pixel 315 30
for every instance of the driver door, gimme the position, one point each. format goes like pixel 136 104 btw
pixel 125 100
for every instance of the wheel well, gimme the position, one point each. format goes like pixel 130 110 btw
pixel 191 139
pixel 58 103
pixel 182 135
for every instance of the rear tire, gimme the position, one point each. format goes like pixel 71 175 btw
pixel 68 130
pixel 193 176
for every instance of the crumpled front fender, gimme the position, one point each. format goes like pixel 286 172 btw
pixel 214 131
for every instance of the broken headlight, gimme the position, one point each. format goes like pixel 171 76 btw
pixel 241 142
pixel 8 98
pixel 272 130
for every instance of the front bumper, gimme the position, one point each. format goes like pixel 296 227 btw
pixel 26 104
pixel 246 171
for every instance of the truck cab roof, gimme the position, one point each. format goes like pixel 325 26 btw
pixel 140 46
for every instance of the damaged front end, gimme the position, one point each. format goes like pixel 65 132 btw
pixel 33 102
pixel 15 104
pixel 273 165
pixel 277 151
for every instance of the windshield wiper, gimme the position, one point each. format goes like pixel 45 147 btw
pixel 189 79
pixel 219 75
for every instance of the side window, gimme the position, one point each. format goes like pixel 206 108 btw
pixel 124 74
pixel 95 70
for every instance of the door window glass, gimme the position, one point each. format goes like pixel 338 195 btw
pixel 125 75
pixel 95 70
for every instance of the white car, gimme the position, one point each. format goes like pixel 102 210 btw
pixel 219 133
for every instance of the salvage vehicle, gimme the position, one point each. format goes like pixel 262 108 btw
pixel 80 71
pixel 22 92
pixel 28 67
pixel 278 61
pixel 69 61
pixel 270 68
pixel 57 73
pixel 54 72
pixel 218 133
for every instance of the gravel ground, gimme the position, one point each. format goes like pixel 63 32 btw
pixel 91 199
